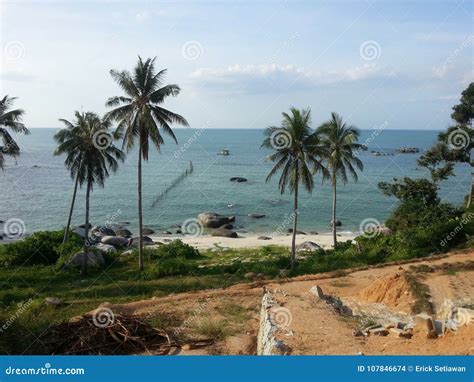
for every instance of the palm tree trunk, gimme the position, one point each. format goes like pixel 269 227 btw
pixel 66 231
pixel 140 212
pixel 295 225
pixel 334 193
pixel 86 231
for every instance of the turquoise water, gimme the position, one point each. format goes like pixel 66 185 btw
pixel 38 188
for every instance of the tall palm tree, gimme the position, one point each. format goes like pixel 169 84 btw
pixel 141 118
pixel 90 156
pixel 340 141
pixel 10 119
pixel 297 154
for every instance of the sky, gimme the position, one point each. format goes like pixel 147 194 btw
pixel 240 64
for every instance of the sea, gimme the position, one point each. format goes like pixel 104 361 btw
pixel 37 189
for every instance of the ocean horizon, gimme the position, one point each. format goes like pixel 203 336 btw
pixel 38 188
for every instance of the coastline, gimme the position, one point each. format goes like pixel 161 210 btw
pixel 251 240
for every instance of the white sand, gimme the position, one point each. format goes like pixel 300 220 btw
pixel 250 240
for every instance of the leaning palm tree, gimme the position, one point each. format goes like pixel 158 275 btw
pixel 141 118
pixel 90 156
pixel 340 141
pixel 10 119
pixel 297 155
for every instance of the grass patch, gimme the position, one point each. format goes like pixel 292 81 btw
pixel 421 292
pixel 210 328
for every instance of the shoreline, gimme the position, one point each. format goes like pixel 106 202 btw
pixel 251 240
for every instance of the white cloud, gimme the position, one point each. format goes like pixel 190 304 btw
pixel 270 77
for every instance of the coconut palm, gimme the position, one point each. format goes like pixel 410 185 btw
pixel 90 157
pixel 141 117
pixel 10 119
pixel 297 155
pixel 340 141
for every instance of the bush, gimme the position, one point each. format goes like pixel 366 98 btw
pixel 41 248
pixel 176 249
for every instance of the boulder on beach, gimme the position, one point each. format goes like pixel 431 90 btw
pixel 92 260
pixel 290 230
pixel 264 238
pixel 80 231
pixel 224 233
pixel 238 179
pixel 148 231
pixel 256 215
pixel 213 220
pixel 338 223
pixel 123 232
pixel 146 240
pixel 308 246
pixel 106 248
pixel 116 241
pixel 227 226
pixel 102 231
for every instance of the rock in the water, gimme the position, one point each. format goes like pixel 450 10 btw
pixel 148 231
pixel 338 223
pixel 224 233
pixel 264 238
pixel 92 260
pixel 102 231
pixel 146 240
pixel 308 246
pixel 116 241
pixel 123 232
pixel 238 179
pixel 106 248
pixel 84 226
pixel 213 220
pixel 54 301
pixel 317 291
pixel 290 230
pixel 256 215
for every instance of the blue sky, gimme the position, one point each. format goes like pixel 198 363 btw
pixel 239 63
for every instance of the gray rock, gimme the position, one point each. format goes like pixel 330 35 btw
pixel 256 215
pixel 116 241
pixel 264 238
pixel 238 179
pixel 290 230
pixel 146 240
pixel 102 231
pixel 213 220
pixel 338 223
pixel 224 233
pixel 308 246
pixel 148 231
pixel 166 232
pixel 123 232
pixel 54 301
pixel 80 231
pixel 92 260
pixel 250 275
pixel 106 248
pixel 128 252
pixel 227 226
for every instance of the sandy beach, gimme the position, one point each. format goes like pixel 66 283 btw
pixel 252 241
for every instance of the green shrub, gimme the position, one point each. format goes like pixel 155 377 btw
pixel 41 248
pixel 176 249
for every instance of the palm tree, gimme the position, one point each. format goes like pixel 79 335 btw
pixel 141 118
pixel 340 141
pixel 297 155
pixel 90 155
pixel 10 119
